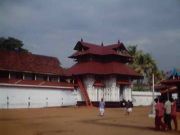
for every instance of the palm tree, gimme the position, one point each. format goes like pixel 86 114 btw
pixel 144 64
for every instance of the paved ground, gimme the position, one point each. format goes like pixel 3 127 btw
pixel 78 121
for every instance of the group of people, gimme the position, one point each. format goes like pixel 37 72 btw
pixel 127 104
pixel 165 113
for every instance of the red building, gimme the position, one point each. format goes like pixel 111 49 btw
pixel 102 72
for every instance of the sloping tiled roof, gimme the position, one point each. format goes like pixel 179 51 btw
pixel 99 49
pixel 27 62
pixel 171 82
pixel 166 86
pixel 98 68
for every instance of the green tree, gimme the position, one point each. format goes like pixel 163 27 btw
pixel 12 44
pixel 144 64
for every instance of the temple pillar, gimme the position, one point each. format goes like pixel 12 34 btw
pixel 35 78
pixel 9 76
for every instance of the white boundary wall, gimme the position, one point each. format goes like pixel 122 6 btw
pixel 29 97
pixel 141 98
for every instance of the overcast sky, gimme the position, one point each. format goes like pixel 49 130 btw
pixel 53 27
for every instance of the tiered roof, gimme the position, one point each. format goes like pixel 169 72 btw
pixel 84 48
pixel 112 67
pixel 98 68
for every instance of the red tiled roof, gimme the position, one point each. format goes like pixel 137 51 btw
pixel 171 82
pixel 160 87
pixel 27 62
pixel 98 68
pixel 99 50
pixel 170 89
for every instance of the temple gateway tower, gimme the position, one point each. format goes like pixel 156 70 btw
pixel 102 72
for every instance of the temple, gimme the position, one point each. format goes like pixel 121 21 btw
pixel 102 72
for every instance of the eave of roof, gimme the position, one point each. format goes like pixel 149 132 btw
pixel 171 82
pixel 121 82
pixel 35 83
pixel 171 89
pixel 98 68
pixel 98 83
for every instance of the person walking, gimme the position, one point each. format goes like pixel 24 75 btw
pixel 156 114
pixel 173 113
pixel 128 107
pixel 167 115
pixel 102 107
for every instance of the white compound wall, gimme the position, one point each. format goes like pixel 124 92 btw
pixel 29 97
pixel 141 98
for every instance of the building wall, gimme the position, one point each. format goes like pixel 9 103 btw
pixel 26 97
pixel 110 93
pixel 143 98
pixel 127 93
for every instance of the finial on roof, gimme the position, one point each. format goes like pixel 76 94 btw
pixel 81 40
pixel 118 42
pixel 102 44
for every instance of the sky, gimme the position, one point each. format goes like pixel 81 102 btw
pixel 53 27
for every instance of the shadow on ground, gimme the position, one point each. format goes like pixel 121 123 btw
pixel 101 122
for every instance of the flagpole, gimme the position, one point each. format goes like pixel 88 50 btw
pixel 153 107
pixel 152 113
pixel 153 87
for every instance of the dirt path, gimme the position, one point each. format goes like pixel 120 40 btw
pixel 77 121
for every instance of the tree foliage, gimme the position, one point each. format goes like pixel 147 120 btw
pixel 11 44
pixel 144 64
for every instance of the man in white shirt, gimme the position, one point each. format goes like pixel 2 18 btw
pixel 167 117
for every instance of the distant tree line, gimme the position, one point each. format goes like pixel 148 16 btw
pixel 12 44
